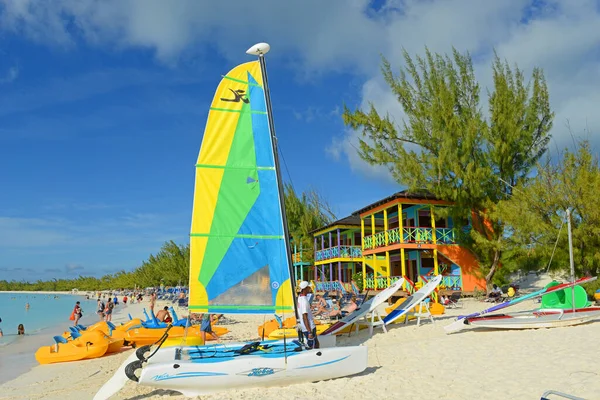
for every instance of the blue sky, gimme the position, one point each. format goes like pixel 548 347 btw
pixel 103 105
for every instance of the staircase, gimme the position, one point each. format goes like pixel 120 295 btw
pixel 380 273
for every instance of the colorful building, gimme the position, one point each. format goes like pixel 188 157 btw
pixel 403 235
pixel 414 243
pixel 338 253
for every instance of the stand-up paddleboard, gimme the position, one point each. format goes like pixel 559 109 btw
pixel 462 323
pixel 364 308
pixel 413 300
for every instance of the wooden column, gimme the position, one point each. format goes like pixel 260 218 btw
pixel 436 267
pixel 386 226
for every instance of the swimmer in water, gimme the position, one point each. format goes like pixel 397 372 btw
pixel 27 306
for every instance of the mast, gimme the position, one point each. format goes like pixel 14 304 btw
pixel 571 262
pixel 260 49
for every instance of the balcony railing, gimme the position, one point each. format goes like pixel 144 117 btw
pixel 410 235
pixel 351 252
pixel 452 282
pixel 380 281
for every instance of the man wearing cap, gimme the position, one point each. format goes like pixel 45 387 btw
pixel 307 324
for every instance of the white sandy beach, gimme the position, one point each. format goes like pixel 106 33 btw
pixel 408 362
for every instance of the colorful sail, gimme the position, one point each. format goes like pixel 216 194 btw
pixel 238 261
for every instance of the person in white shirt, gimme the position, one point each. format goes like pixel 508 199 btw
pixel 495 294
pixel 307 324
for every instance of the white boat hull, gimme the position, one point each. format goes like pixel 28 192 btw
pixel 203 376
pixel 168 353
pixel 544 318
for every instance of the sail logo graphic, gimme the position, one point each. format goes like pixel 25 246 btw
pixel 261 372
pixel 238 95
pixel 161 377
pixel 275 285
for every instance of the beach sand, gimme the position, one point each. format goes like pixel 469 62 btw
pixel 408 362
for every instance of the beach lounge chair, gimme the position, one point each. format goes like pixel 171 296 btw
pixel 421 311
pixel 454 301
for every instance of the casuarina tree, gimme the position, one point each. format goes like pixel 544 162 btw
pixel 447 146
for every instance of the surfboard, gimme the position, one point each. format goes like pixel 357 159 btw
pixel 413 300
pixel 365 308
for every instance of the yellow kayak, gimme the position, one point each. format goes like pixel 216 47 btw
pixel 293 333
pixel 92 345
pixel 272 325
pixel 144 336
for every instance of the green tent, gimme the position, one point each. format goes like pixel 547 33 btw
pixel 563 298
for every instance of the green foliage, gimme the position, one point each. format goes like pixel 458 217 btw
pixel 170 267
pixel 446 147
pixel 591 287
pixel 305 214
pixel 358 279
pixel 536 213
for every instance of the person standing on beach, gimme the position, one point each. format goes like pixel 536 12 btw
pixel 152 301
pixel 78 313
pixel 101 307
pixel 307 324
pixel 109 309
pixel 206 327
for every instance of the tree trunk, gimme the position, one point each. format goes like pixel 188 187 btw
pixel 493 269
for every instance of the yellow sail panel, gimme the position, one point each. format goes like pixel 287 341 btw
pixel 197 290
pixel 231 95
pixel 285 299
pixel 206 193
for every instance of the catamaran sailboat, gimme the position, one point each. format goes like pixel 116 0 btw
pixel 542 318
pixel 240 259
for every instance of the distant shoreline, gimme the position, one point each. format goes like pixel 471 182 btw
pixel 80 293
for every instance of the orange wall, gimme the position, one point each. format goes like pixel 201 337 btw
pixel 469 266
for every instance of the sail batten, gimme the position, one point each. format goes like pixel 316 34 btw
pixel 239 261
pixel 237 111
pixel 240 167
pixel 237 236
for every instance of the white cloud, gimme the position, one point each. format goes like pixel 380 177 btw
pixel 561 38
pixel 311 36
pixel 11 75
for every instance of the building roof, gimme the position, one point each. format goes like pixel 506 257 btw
pixel 405 194
pixel 353 219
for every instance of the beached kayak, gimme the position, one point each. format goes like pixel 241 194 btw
pixel 91 345
pixel 144 336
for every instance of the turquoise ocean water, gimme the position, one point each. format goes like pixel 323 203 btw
pixel 48 316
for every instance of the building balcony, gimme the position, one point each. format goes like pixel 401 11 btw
pixel 410 235
pixel 451 282
pixel 379 282
pixel 348 252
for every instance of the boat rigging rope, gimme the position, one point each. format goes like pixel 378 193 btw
pixel 555 244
